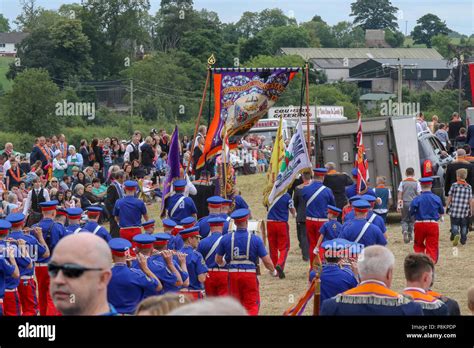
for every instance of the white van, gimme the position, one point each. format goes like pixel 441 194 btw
pixel 268 128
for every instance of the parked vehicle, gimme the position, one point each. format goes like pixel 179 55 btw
pixel 391 144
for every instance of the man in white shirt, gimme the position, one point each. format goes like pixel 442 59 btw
pixel 36 195
pixel 132 149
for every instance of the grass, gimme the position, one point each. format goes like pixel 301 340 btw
pixel 453 271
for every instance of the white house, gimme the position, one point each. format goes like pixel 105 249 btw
pixel 9 41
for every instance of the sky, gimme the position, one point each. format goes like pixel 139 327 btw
pixel 458 14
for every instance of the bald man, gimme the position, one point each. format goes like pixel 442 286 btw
pixel 80 270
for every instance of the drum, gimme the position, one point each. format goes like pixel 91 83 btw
pixel 254 226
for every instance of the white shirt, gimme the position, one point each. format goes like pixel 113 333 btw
pixel 27 206
pixel 6 167
pixel 59 165
pixel 128 150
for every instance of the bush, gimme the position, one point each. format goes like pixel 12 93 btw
pixel 22 142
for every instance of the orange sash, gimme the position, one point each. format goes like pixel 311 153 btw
pixel 372 288
pixel 45 152
pixel 16 176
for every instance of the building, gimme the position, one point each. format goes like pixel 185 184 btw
pixel 337 62
pixel 9 42
pixel 381 75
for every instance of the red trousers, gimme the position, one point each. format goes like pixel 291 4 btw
pixel 11 304
pixel 278 233
pixel 217 283
pixel 128 233
pixel 46 305
pixel 27 293
pixel 312 232
pixel 244 287
pixel 427 239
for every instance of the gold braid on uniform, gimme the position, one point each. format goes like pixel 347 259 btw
pixel 374 300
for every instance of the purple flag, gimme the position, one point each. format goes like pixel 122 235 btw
pixel 173 168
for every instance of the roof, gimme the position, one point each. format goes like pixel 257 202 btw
pixel 12 38
pixel 362 53
pixel 420 63
pixel 437 85
pixel 377 96
pixel 331 63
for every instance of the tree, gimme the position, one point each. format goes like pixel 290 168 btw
pixel 26 21
pixel 4 25
pixel 427 27
pixel 346 35
pixel 31 103
pixel 248 24
pixel 374 14
pixel 394 38
pixel 274 17
pixel 253 47
pixel 443 45
pixel 62 49
pixel 290 36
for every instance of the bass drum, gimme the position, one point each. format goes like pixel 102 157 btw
pixel 255 226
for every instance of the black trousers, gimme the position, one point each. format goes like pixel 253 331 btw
pixel 302 239
pixel 114 228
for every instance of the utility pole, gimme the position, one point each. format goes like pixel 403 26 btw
pixel 460 64
pixel 131 105
pixel 399 68
pixel 406 28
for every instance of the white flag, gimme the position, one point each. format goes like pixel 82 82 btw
pixel 296 160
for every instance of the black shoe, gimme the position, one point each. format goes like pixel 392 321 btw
pixel 406 237
pixel 451 238
pixel 305 258
pixel 281 274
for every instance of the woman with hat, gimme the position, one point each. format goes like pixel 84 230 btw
pixel 59 165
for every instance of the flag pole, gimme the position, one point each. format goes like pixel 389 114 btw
pixel 307 110
pixel 224 159
pixel 210 61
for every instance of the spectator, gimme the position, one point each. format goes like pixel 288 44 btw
pixel 132 151
pixel 385 196
pixel 70 201
pixel 88 285
pixel 138 171
pixel 127 168
pixel 450 172
pixel 434 124
pixel 36 196
pixel 107 153
pixel 118 151
pixel 14 175
pixel 161 305
pixel 407 191
pixel 98 155
pixel 470 299
pixel 66 183
pixel 59 165
pixel 421 124
pixel 98 189
pixel 74 160
pixel 442 135
pixel 224 305
pixel 160 165
pixel 114 193
pixel 461 205
pixel 84 151
pixel 454 126
pixel 262 163
pixel 80 180
pixel 97 173
pixel 148 155
pixel 461 138
pixel 337 182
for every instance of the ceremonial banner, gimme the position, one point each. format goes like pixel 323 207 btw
pixel 241 98
pixel 173 169
pixel 278 153
pixel 361 164
pixel 296 160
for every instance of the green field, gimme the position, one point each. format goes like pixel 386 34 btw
pixel 409 42
pixel 4 63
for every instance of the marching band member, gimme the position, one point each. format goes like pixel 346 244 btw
pixel 92 224
pixel 241 251
pixel 217 277
pixel 195 263
pixel 128 286
pixel 279 231
pixel 427 209
pixel 317 197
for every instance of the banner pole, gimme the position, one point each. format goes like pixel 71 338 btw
pixel 307 111
pixel 208 78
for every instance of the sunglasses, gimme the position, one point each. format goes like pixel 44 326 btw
pixel 70 270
